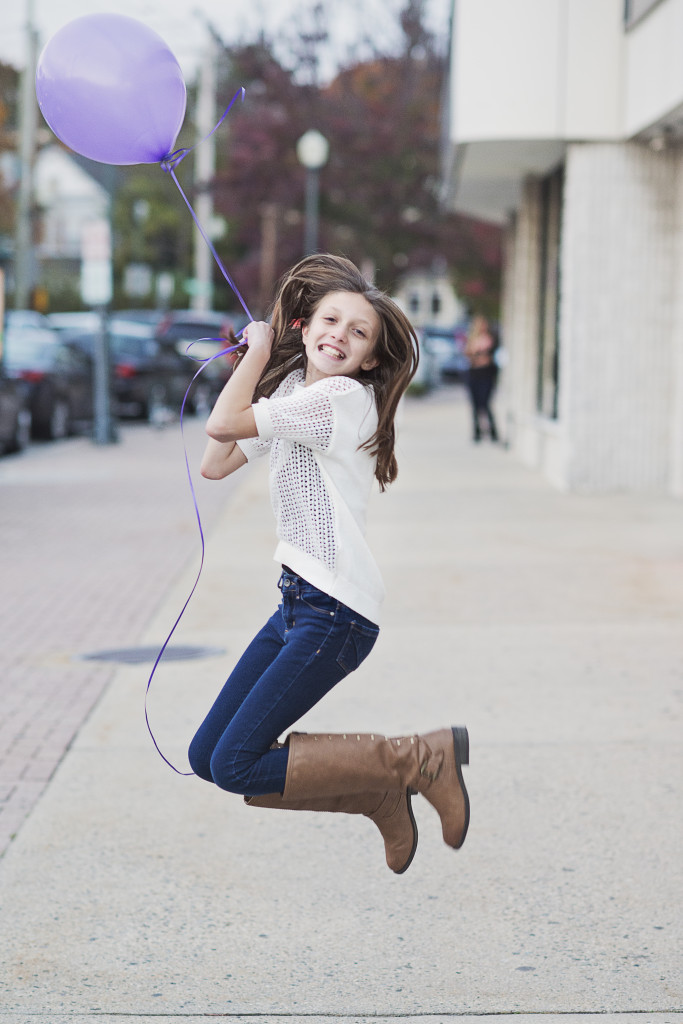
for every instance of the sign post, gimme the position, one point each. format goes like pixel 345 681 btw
pixel 96 291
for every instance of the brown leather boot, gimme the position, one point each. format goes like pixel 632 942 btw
pixel 349 764
pixel 442 782
pixel 391 812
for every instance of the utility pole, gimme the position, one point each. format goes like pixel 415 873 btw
pixel 204 170
pixel 24 268
pixel 268 254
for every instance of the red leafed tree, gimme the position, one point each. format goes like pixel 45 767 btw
pixel 379 189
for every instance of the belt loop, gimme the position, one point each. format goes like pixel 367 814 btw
pixel 289 582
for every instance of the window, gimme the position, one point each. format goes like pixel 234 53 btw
pixel 549 290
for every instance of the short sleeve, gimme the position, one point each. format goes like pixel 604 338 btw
pixel 306 416
pixel 253 447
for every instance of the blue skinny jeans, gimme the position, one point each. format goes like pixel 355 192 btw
pixel 307 646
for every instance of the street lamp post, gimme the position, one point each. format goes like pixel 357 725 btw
pixel 312 150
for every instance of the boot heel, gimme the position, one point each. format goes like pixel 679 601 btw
pixel 461 744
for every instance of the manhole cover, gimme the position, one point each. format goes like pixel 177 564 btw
pixel 139 655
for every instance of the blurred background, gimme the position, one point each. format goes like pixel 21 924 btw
pixel 518 161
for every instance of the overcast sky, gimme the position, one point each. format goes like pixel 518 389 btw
pixel 181 25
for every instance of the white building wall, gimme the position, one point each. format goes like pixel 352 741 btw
pixel 418 293
pixel 487 68
pixel 536 69
pixel 538 441
pixel 620 409
pixel 594 69
pixel 69 199
pixel 505 399
pixel 520 320
pixel 536 83
pixel 653 82
pixel 676 481
pixel 616 316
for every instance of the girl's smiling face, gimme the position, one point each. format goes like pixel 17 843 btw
pixel 340 337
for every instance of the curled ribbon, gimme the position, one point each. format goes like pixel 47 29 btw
pixel 169 164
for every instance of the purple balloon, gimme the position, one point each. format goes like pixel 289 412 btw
pixel 110 88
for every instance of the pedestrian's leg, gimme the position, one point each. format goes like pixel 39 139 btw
pixel 492 423
pixel 487 376
pixel 474 404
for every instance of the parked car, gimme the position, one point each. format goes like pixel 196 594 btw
pixel 140 316
pixel 15 415
pixel 202 335
pixel 26 318
pixel 78 323
pixel 443 349
pixel 147 378
pixel 455 367
pixel 88 321
pixel 57 378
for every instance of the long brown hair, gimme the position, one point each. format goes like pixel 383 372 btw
pixel 396 348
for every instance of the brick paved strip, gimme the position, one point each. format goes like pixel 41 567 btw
pixel 90 539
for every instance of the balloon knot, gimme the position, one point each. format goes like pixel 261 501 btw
pixel 170 162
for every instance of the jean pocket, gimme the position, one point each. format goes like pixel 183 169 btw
pixel 319 602
pixel 359 642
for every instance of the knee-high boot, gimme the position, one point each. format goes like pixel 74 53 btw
pixel 391 812
pixel 324 766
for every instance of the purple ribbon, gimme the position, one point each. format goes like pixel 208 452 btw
pixel 205 362
pixel 169 164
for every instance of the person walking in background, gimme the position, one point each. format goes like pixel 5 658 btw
pixel 482 374
pixel 317 391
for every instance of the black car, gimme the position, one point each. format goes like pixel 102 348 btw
pixel 200 336
pixel 148 380
pixel 15 416
pixel 57 378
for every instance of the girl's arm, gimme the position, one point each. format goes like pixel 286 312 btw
pixel 232 418
pixel 220 460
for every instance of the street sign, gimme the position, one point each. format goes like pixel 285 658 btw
pixel 137 280
pixel 193 286
pixel 96 272
pixel 96 282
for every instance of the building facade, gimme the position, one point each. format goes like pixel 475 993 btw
pixel 69 199
pixel 429 298
pixel 565 126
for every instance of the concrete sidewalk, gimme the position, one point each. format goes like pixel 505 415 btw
pixel 550 624
pixel 91 538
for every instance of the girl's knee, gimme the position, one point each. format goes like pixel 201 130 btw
pixel 200 761
pixel 231 771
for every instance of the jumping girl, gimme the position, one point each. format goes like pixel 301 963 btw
pixel 317 390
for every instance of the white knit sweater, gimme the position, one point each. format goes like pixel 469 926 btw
pixel 320 483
